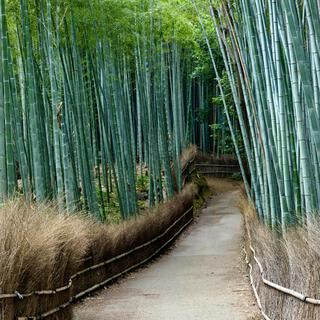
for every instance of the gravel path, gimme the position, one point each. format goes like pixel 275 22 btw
pixel 202 278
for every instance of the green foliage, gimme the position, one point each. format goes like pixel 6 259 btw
pixel 142 183
pixel 112 213
pixel 204 113
pixel 237 176
pixel 217 100
pixel 142 205
pixel 204 191
pixel 220 130
pixel 121 22
pixel 90 88
pixel 271 53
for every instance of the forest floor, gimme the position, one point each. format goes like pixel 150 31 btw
pixel 202 277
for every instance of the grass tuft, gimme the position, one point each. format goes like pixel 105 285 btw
pixel 292 261
pixel 40 249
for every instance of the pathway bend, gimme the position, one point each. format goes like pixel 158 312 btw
pixel 202 278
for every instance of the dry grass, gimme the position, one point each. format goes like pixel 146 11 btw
pixel 36 246
pixel 40 250
pixel 219 186
pixel 292 261
pixel 108 241
pixel 188 154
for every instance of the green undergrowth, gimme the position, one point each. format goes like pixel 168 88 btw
pixel 112 213
pixel 143 183
pixel 237 176
pixel 204 191
pixel 110 207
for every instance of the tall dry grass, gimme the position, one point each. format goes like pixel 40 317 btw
pixel 291 260
pixel 40 249
pixel 219 186
pixel 188 154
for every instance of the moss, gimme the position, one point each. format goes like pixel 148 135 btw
pixel 204 190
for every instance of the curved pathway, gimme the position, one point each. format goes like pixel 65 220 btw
pixel 202 278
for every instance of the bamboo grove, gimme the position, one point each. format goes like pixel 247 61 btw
pixel 271 55
pixel 82 117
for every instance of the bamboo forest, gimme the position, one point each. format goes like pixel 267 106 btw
pixel 122 119
pixel 80 109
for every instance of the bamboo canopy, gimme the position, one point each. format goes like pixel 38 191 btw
pixel 271 51
pixel 85 115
